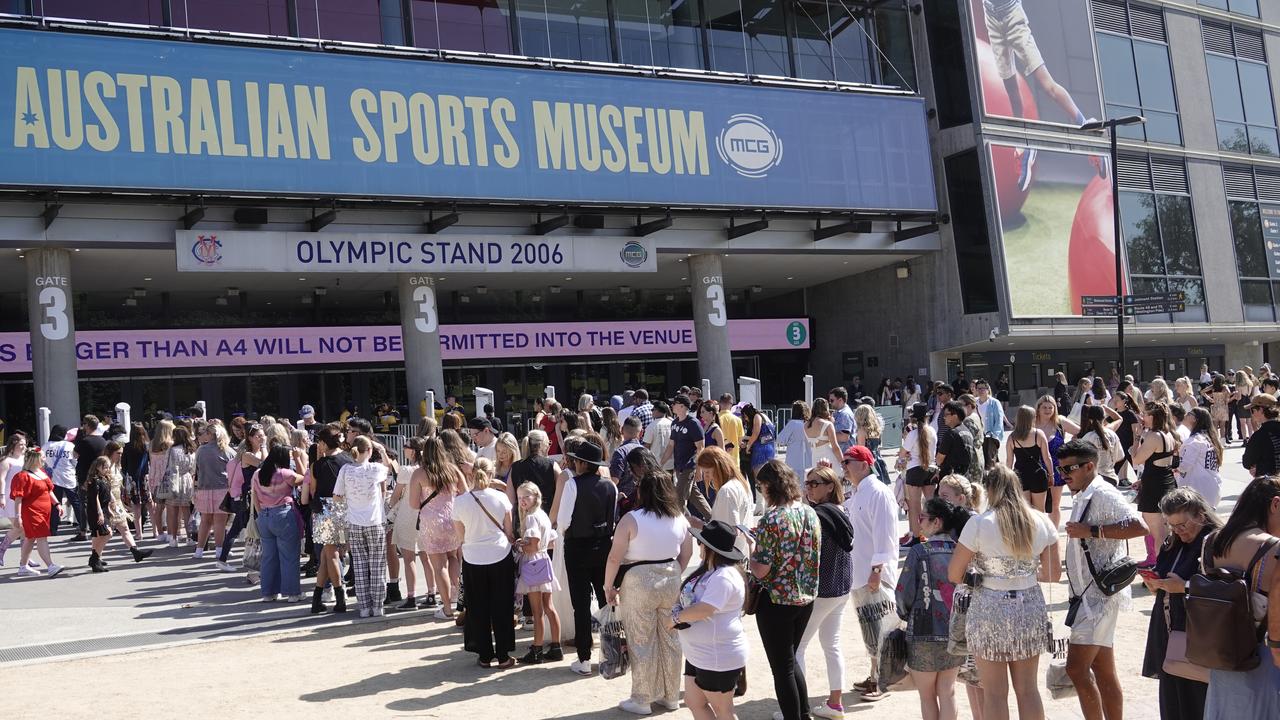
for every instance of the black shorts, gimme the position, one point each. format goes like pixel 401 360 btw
pixel 711 680
pixel 1034 481
pixel 918 477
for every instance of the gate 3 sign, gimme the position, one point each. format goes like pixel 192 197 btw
pixel 93 111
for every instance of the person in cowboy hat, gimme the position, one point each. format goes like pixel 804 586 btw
pixel 709 617
pixel 591 505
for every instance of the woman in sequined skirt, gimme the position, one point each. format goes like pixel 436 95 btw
pixel 1005 625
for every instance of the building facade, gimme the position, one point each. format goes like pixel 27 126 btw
pixel 266 204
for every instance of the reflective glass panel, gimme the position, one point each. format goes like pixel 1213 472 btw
pixel 1178 233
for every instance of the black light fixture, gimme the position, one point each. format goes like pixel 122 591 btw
pixel 50 214
pixel 192 216
pixel 319 221
pixel 908 233
pixel 542 227
pixel 848 226
pixel 436 224
pixel 736 231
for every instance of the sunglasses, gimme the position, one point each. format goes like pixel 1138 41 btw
pixel 1067 469
pixel 816 483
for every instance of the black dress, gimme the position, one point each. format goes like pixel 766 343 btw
pixel 1180 699
pixel 97 495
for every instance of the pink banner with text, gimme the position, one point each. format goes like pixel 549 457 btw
pixel 224 347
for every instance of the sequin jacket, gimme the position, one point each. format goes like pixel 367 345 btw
pixel 924 592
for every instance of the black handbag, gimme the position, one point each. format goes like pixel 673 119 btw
pixel 1113 579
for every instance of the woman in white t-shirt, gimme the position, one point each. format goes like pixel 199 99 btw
pixel 1094 430
pixel 1200 459
pixel 709 618
pixel 733 503
pixel 915 456
pixel 363 485
pixel 482 516
pixel 1005 624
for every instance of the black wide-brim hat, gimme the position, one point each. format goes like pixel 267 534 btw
pixel 589 453
pixel 720 538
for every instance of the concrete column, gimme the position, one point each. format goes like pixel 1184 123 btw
pixel 420 336
pixel 53 334
pixel 1242 354
pixel 711 322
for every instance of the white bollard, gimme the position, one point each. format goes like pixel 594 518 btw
pixel 749 390
pixel 706 389
pixel 549 392
pixel 42 427
pixel 484 396
pixel 124 419
pixel 808 389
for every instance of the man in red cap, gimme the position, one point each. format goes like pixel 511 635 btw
pixel 874 514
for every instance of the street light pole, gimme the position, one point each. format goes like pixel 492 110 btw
pixel 1110 126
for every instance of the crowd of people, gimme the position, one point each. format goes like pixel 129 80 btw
pixel 681 517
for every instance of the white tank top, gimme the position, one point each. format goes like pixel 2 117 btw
pixel 656 538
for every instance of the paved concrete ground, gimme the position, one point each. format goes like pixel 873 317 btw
pixel 168 612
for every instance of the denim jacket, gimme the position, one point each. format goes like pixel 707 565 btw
pixel 924 592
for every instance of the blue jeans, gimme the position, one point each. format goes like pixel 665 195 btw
pixel 281 533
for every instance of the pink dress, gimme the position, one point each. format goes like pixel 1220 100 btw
pixel 436 534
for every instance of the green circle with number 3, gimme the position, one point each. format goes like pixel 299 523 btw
pixel 797 333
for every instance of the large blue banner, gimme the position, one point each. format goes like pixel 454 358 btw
pixel 95 111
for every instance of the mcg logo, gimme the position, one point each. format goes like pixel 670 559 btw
pixel 748 146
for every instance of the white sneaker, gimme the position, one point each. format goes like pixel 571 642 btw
pixel 173 542
pixel 164 538
pixel 364 612
pixel 670 704
pixel 327 595
pixel 26 571
pixel 269 598
pixel 292 598
pixel 199 554
pixel 224 567
pixel 634 707
pixel 54 569
pixel 824 710
pixel 440 614
pixel 581 667
pixel 377 611
pixel 33 564
pixel 182 540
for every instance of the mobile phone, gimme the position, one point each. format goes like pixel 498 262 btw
pixel 1148 574
pixel 747 531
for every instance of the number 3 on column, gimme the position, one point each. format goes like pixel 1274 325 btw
pixel 716 315
pixel 425 297
pixel 54 302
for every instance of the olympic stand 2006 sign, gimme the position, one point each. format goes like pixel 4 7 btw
pixel 92 111
pixel 249 251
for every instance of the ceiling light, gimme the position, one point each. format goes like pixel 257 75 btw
pixel 321 292
pixel 464 299
pixel 233 292
pixel 18 249
pixel 903 271
pixel 733 296
pixel 568 278
pixel 139 292
pixel 130 302
pixel 481 289
pixel 440 278
pixel 302 278
pixel 604 297
pixel 756 289
pixel 554 289
pixel 147 279
pixel 624 289
pixel 21 256
pixel 77 249
pixel 791 277
pixel 670 297
pixel 306 299
pixel 684 278
pixel 535 297
pixel 220 301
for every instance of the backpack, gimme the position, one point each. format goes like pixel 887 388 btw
pixel 1222 633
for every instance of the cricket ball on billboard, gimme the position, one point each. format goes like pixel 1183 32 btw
pixel 1006 163
pixel 1091 257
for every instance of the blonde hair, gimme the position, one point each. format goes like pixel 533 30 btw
pixel 1051 402
pixel 868 420
pixel 276 435
pixel 533 491
pixel 508 441
pixel 299 439
pixel 974 495
pixel 1160 391
pixel 221 440
pixel 163 438
pixel 535 443
pixel 33 459
pixel 481 473
pixel 361 445
pixel 1013 514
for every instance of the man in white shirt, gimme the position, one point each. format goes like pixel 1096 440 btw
pixel 658 434
pixel 874 513
pixel 481 431
pixel 1101 520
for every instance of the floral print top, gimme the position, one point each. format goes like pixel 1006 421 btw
pixel 788 539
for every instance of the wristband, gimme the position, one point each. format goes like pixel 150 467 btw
pixel 1272 643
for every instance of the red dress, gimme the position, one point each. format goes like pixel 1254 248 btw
pixel 36 492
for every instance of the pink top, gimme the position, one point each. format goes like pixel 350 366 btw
pixel 279 493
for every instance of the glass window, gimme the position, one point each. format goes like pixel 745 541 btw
pixel 893 32
pixel 766 33
pixel 1244 7
pixel 948 61
pixel 1137 80
pixel 1224 84
pixel 264 17
pixel 969 224
pixel 814 58
pixel 475 25
pixel 142 12
pixel 1256 89
pixel 1179 234
pixel 1246 226
pixel 1256 296
pixel 367 21
pixel 661 33
pixel 264 394
pixel 1242 105
pixel 1141 233
pixel 570 29
pixel 726 41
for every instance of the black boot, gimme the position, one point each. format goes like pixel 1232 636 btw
pixel 95 563
pixel 554 653
pixel 317 605
pixel 393 593
pixel 533 657
pixel 140 555
pixel 339 601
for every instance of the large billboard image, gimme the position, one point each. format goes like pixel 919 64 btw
pixel 1036 60
pixel 1056 229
